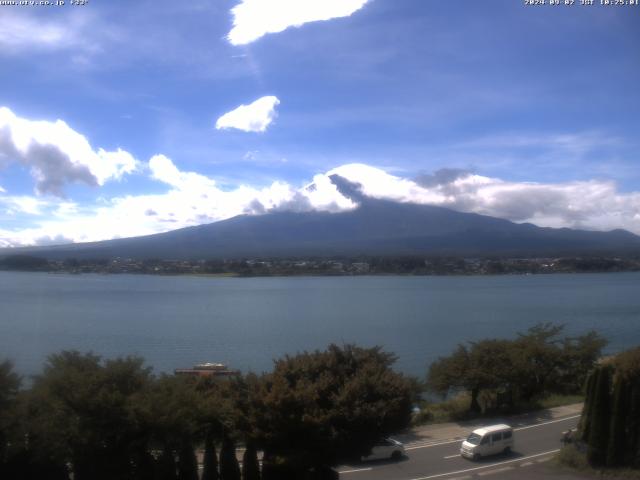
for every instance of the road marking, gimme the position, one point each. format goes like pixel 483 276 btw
pixel 414 446
pixel 543 460
pixel 486 466
pixel 355 470
pixel 432 444
pixel 453 456
pixel 497 470
pixel 526 464
pixel 547 423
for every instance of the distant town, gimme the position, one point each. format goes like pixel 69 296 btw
pixel 324 266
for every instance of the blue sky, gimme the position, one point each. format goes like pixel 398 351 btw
pixel 524 112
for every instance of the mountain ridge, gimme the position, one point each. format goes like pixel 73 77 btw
pixel 375 227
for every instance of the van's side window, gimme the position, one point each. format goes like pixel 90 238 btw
pixel 506 435
pixel 496 437
pixel 485 440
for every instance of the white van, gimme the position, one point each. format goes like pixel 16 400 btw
pixel 488 441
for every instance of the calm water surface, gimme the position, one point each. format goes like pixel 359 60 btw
pixel 246 322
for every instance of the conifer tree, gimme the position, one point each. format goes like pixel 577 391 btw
pixel 615 452
pixel 229 468
pixel 210 467
pixel 187 463
pixel 587 410
pixel 250 465
pixel 167 465
pixel 599 422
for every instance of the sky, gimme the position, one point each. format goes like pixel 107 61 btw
pixel 122 118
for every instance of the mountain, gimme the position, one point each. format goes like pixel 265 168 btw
pixel 377 227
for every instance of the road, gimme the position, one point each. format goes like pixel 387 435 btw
pixel 441 460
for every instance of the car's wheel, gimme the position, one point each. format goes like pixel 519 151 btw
pixel 396 455
pixel 476 456
pixel 507 450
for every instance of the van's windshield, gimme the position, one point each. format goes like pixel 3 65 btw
pixel 474 439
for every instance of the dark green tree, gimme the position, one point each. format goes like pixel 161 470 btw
pixel 250 465
pixel 325 407
pixel 187 463
pixel 600 418
pixel 210 467
pixel 619 414
pixel 229 467
pixel 9 387
pixel 167 469
pixel 83 409
pixel 484 365
pixel 585 418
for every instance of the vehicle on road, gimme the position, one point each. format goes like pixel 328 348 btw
pixel 489 440
pixel 388 448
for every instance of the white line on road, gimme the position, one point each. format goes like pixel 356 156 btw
pixel 497 470
pixel 486 466
pixel 452 456
pixel 355 470
pixel 432 444
pixel 414 447
pixel 547 423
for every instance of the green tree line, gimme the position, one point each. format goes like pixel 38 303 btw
pixel 500 373
pixel 84 417
pixel 88 418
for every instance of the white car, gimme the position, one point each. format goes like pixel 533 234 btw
pixel 387 448
pixel 488 441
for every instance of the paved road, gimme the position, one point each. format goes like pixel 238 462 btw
pixel 426 460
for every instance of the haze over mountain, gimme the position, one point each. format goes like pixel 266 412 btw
pixel 375 227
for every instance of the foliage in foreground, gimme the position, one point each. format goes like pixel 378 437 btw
pixel 506 373
pixel 610 424
pixel 108 420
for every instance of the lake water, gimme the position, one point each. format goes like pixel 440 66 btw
pixel 246 322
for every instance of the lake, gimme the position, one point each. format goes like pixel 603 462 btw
pixel 246 322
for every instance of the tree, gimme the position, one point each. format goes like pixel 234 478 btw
pixel 210 467
pixel 578 357
pixel 250 465
pixel 599 422
pixel 229 468
pixel 534 364
pixel 615 452
pixel 330 406
pixel 610 423
pixel 9 387
pixel 538 360
pixel 483 365
pixel 187 463
pixel 167 465
pixel 81 411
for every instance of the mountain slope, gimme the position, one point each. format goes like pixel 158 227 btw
pixel 377 227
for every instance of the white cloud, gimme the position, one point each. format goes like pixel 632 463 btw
pixel 590 205
pixel 57 155
pixel 255 117
pixel 253 19
pixel 23 31
pixel 193 199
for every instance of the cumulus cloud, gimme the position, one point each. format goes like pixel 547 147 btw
pixel 253 19
pixel 57 155
pixel 255 117
pixel 591 205
pixel 192 199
